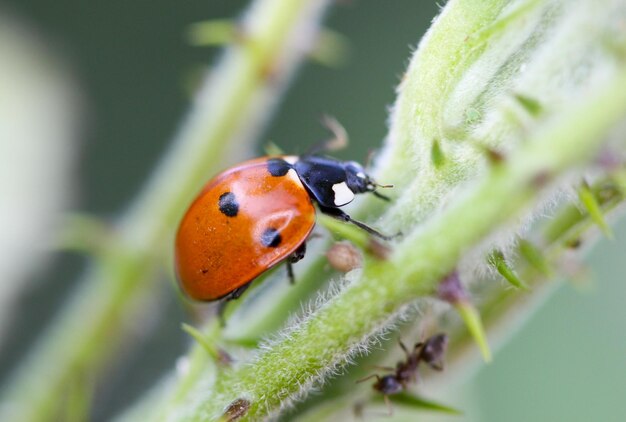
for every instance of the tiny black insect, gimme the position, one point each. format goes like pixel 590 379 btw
pixel 431 352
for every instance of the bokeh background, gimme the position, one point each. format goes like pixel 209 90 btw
pixel 133 70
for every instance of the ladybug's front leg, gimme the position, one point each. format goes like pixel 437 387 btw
pixel 340 215
pixel 296 256
pixel 235 294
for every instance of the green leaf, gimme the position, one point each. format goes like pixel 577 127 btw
pixel 423 403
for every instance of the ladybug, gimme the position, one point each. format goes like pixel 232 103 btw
pixel 257 214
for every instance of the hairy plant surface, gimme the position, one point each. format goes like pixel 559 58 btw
pixel 504 113
pixel 505 147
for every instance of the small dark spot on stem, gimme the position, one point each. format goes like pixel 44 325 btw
pixel 541 179
pixel 237 409
pixel 609 159
pixel 451 290
pixel 344 257
pixel 494 156
pixel 240 34
pixel 378 249
pixel 574 243
pixel 270 72
pixel 223 357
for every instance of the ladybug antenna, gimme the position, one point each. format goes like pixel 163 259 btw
pixel 338 141
pixel 371 187
pixel 381 196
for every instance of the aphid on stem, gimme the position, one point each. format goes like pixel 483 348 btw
pixel 431 352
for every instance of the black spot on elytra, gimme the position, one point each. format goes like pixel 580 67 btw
pixel 271 238
pixel 278 167
pixel 228 204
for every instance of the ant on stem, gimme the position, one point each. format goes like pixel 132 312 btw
pixel 431 352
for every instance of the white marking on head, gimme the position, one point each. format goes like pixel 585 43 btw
pixel 343 194
pixel 360 175
pixel 294 177
pixel 291 159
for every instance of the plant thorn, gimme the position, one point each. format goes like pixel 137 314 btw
pixel 330 49
pixel 215 32
pixel 531 105
pixel 534 257
pixel 470 316
pixel 197 335
pixel 497 260
pixel 589 201
pixel 437 155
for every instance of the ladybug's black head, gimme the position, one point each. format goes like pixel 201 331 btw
pixel 359 182
pixel 333 183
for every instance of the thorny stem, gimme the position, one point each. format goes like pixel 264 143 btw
pixel 499 305
pixel 563 236
pixel 457 95
pixel 227 113
pixel 310 349
pixel 420 261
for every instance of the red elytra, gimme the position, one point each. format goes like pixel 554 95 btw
pixel 242 223
pixel 257 214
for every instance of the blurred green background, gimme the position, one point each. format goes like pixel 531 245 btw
pixel 134 70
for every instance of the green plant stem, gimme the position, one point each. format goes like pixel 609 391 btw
pixel 428 83
pixel 201 366
pixel 500 309
pixel 500 306
pixel 236 99
pixel 308 350
pixel 444 55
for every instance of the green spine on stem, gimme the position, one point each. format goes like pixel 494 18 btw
pixel 456 51
pixel 233 104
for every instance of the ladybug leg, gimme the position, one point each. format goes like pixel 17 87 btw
pixel 381 196
pixel 296 256
pixel 340 215
pixel 235 294
pixel 290 275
